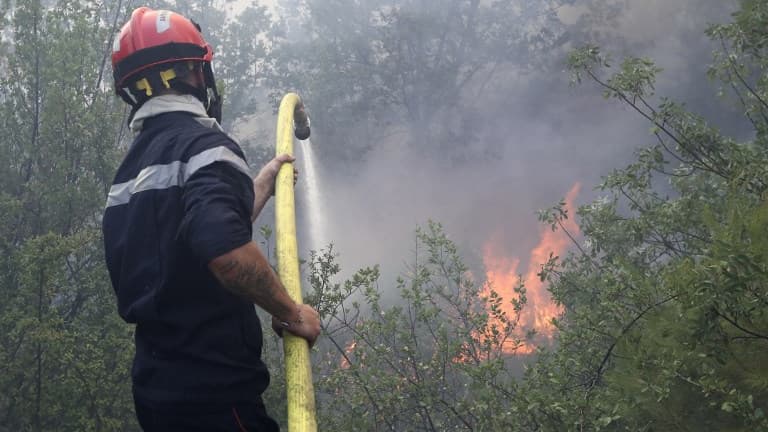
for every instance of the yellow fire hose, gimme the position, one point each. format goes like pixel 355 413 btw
pixel 298 371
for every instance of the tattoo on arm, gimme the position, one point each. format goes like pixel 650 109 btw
pixel 251 282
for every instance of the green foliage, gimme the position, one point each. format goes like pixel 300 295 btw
pixel 64 354
pixel 665 324
pixel 432 362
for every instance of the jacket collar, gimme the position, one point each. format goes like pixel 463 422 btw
pixel 170 103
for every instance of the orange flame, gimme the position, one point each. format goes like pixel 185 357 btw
pixel 344 364
pixel 502 277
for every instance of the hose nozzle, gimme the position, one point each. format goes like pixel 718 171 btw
pixel 300 122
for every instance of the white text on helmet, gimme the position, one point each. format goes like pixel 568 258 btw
pixel 163 21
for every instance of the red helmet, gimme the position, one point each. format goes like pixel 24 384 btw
pixel 151 39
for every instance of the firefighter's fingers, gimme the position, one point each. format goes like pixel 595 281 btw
pixel 265 180
pixel 277 326
pixel 285 157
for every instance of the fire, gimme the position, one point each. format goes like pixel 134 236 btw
pixel 502 275
pixel 344 364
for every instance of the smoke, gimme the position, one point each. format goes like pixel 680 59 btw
pixel 544 136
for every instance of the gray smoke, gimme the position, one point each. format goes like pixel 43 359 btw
pixel 544 134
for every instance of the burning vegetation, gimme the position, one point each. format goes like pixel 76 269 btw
pixel 532 319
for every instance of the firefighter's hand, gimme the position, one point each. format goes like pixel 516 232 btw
pixel 264 183
pixel 306 326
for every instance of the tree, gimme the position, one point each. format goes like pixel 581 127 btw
pixel 665 298
pixel 63 352
pixel 378 70
pixel 432 362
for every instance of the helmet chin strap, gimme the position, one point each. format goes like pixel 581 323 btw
pixel 214 100
pixel 199 92
pixel 211 100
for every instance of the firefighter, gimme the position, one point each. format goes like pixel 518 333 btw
pixel 177 237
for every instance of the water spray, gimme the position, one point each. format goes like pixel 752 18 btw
pixel 313 202
pixel 292 121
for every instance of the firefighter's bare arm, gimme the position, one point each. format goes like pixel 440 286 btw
pixel 246 272
pixel 264 183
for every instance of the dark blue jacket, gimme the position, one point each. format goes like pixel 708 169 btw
pixel 181 197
